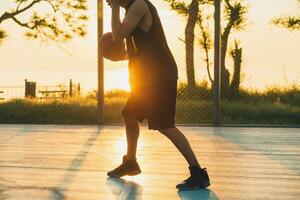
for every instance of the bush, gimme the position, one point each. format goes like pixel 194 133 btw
pixel 194 106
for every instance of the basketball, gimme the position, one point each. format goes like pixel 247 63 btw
pixel 111 50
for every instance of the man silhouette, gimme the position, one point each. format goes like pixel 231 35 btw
pixel 153 79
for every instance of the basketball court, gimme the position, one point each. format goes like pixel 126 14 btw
pixel 70 162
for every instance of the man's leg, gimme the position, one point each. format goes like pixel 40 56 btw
pixel 182 144
pixel 199 177
pixel 129 165
pixel 132 135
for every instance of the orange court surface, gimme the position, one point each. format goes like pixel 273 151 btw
pixel 70 162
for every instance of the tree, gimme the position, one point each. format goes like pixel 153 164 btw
pixel 189 41
pixel 236 54
pixel 289 22
pixel 190 11
pixel 235 20
pixel 63 19
pixel 206 42
pixel 235 17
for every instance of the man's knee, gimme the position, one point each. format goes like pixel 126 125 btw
pixel 167 131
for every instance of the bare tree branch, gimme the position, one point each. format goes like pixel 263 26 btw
pixel 25 8
pixel 228 4
pixel 52 5
pixel 20 4
pixel 21 24
pixel 8 15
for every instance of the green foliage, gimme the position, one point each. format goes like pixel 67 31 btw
pixel 200 92
pixel 277 96
pixel 182 7
pixel 289 22
pixel 2 35
pixel 235 13
pixel 292 23
pixel 206 41
pixel 60 22
pixel 117 93
pixel 45 112
pixel 194 106
pixel 264 113
pixel 179 6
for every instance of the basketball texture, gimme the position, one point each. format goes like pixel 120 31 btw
pixel 111 50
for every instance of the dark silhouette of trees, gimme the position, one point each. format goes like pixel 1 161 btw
pixel 189 41
pixel 58 21
pixel 191 11
pixel 236 54
pixel 234 16
pixel 206 42
pixel 235 20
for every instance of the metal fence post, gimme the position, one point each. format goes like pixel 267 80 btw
pixel 100 94
pixel 71 88
pixel 217 71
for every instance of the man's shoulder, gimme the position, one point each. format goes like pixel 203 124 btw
pixel 139 5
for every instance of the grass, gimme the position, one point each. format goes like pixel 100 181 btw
pixel 48 112
pixel 272 107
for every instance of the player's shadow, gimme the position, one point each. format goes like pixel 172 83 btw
pixel 124 190
pixel 203 194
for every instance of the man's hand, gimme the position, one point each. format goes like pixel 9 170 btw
pixel 112 3
pixel 122 58
pixel 131 20
pixel 108 2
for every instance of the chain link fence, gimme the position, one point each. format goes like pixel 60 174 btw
pixel 259 66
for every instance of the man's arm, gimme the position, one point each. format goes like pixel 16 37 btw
pixel 121 30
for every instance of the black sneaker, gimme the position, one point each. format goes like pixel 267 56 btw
pixel 128 167
pixel 198 179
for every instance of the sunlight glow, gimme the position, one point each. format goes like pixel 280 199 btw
pixel 117 78
pixel 270 54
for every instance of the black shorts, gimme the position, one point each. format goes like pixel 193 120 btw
pixel 156 103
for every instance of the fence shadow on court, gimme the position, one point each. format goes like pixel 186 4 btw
pixel 57 192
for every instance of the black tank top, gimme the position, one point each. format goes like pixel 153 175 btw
pixel 150 59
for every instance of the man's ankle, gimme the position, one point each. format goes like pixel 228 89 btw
pixel 195 169
pixel 130 158
pixel 195 166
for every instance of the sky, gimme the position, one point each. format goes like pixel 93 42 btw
pixel 270 54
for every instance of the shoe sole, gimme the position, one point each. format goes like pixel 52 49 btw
pixel 194 188
pixel 133 173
